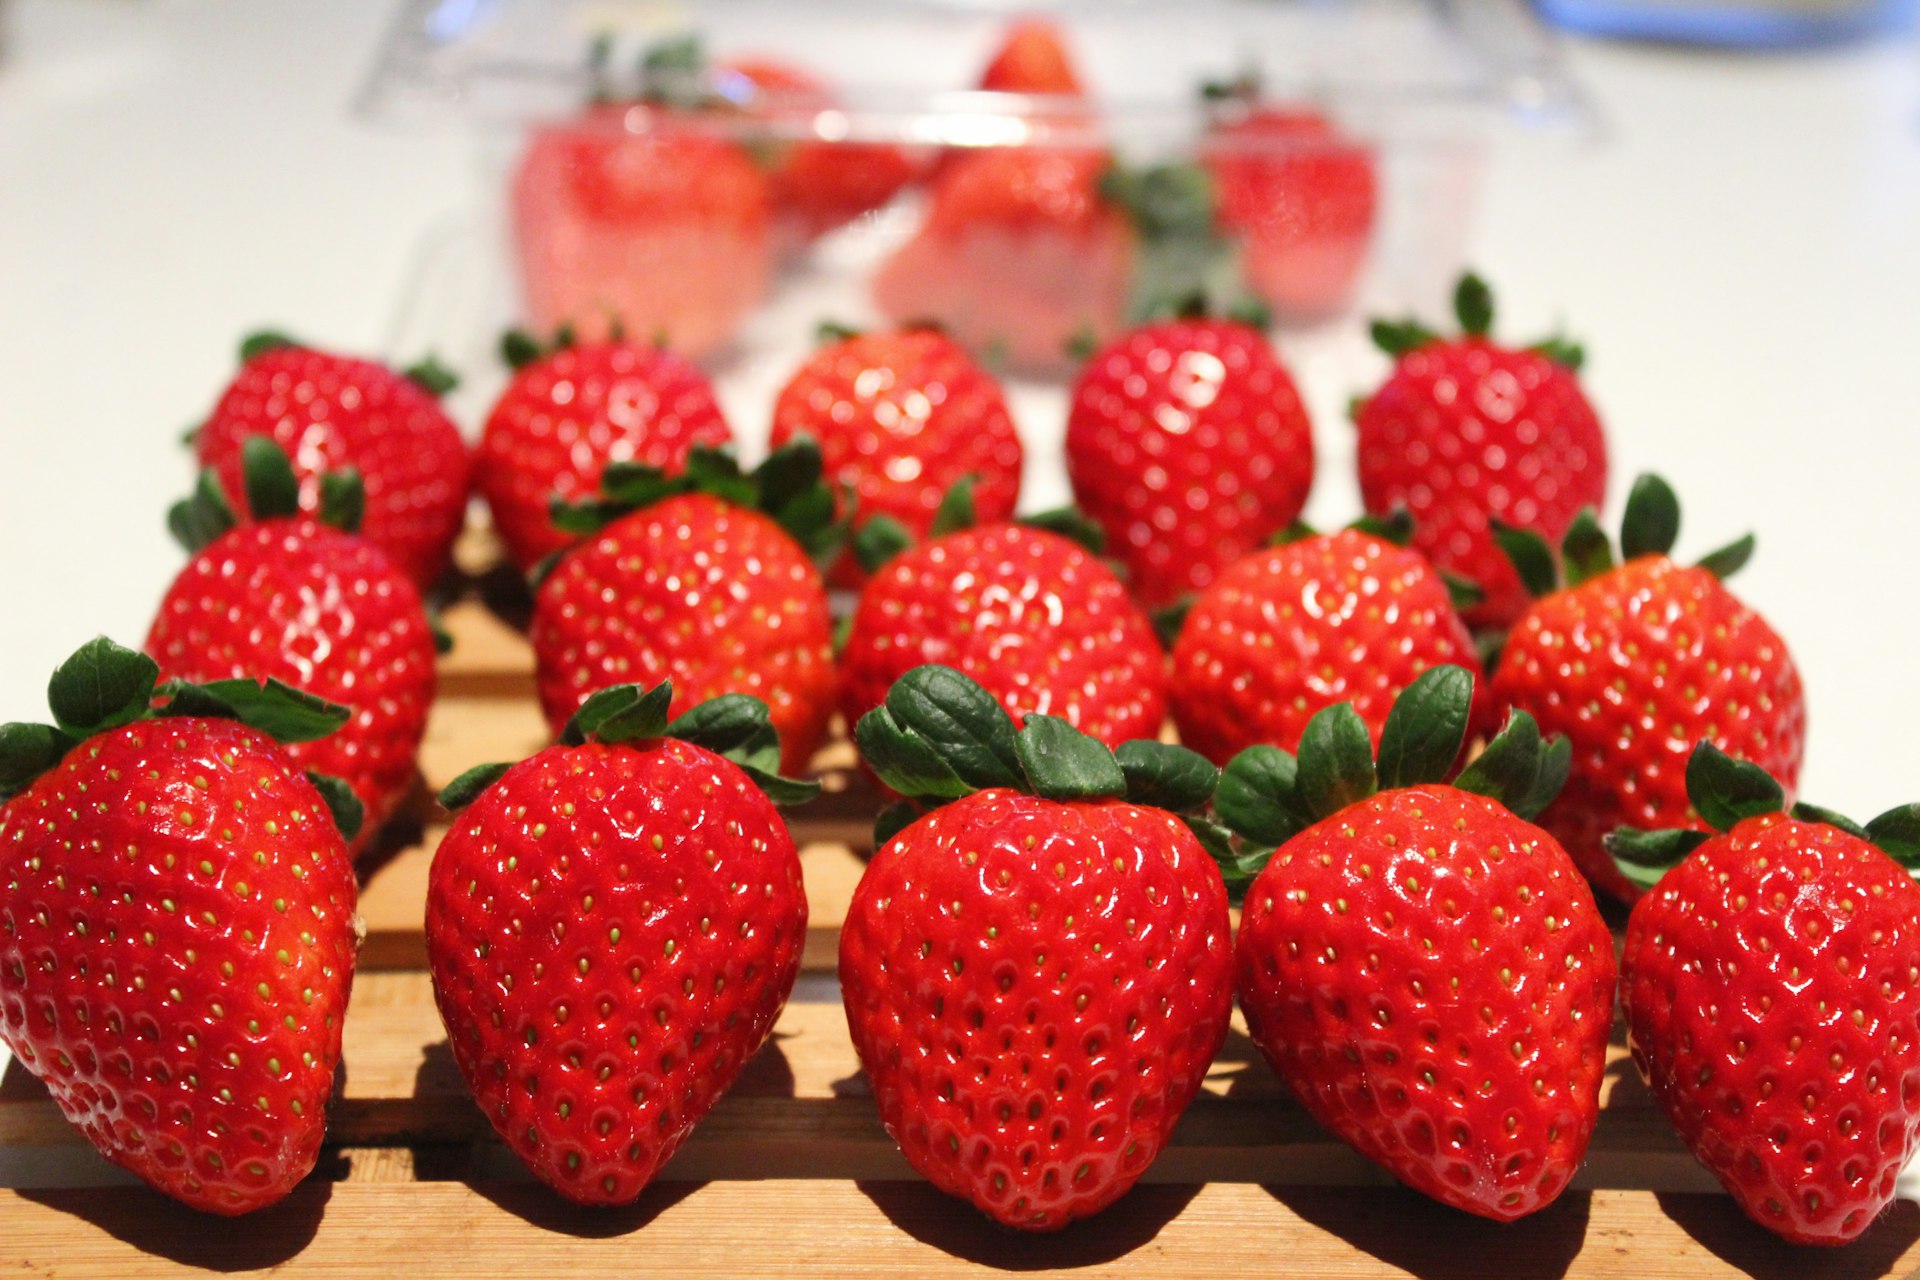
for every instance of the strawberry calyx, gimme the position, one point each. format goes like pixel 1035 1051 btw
pixel 272 492
pixel 520 347
pixel 1725 792
pixel 734 725
pixel 104 686
pixel 939 736
pixel 1649 527
pixel 1397 527
pixel 1473 310
pixel 431 376
pixel 1186 267
pixel 882 537
pixel 1266 795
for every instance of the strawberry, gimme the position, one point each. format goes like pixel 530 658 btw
pixel 1772 988
pixel 1635 663
pixel 613 925
pixel 900 418
pixel 1032 58
pixel 1424 967
pixel 1188 443
pixel 568 412
pixel 311 604
pixel 1030 614
pixel 1466 433
pixel 334 413
pixel 177 923
pixel 1286 632
pixel 1036 973
pixel 690 579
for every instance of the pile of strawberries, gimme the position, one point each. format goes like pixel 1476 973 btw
pixel 1414 748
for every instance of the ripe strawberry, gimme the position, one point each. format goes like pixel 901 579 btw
pixel 571 410
pixel 1637 663
pixel 613 925
pixel 1033 616
pixel 311 604
pixel 1466 433
pixel 332 413
pixel 624 218
pixel 1032 58
pixel 1422 965
pixel 901 418
pixel 1286 632
pixel 1772 990
pixel 1036 975
pixel 689 579
pixel 1188 443
pixel 177 924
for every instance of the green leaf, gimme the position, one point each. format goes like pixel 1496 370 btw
pixel 791 472
pixel 1170 618
pixel 1550 776
pixel 717 472
pixel 644 718
pixel 1585 551
pixel 1298 531
pixel 263 341
pixel 1473 305
pixel 879 540
pixel 584 519
pixel 1164 202
pixel 1896 833
pixel 1652 522
pixel 343 500
pixel 1814 813
pixel 1425 728
pixel 1336 761
pixel 519 348
pixel 102 686
pixel 1063 763
pixel 348 813
pixel 956 508
pixel 1462 593
pixel 1395 527
pixel 277 709
pixel 267 475
pixel 26 752
pixel 1531 557
pixel 1398 337
pixel 431 376
pixel 600 706
pixel 812 520
pixel 1644 856
pixel 1238 866
pixel 893 819
pixel 784 792
pixel 1508 771
pixel 1725 791
pixel 187 699
pixel 466 788
pixel 962 722
pixel 442 638
pixel 1251 312
pixel 1072 524
pixel 1256 796
pixel 1081 344
pixel 195 521
pixel 1165 776
pixel 833 331
pixel 735 725
pixel 1563 351
pixel 904 760
pixel 1730 559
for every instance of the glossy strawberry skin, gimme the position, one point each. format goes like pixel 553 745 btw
pixel 1430 976
pixel 1036 990
pixel 1635 667
pixel 1039 621
pixel 1188 443
pixel 176 949
pixel 1772 990
pixel 900 418
pixel 714 597
pixel 612 931
pixel 1465 432
pixel 1032 58
pixel 1286 632
pixel 332 412
pixel 326 612
pixel 565 416
pixel 1301 198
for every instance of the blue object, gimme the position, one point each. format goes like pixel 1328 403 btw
pixel 1730 22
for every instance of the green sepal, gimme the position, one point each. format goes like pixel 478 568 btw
pixel 674 72
pixel 190 436
pixel 1168 620
pixel 348 813
pixel 431 376
pixel 1336 761
pixel 1730 559
pixel 1239 864
pixel 518 349
pixel 1652 522
pixel 466 788
pixel 962 723
pixel 1395 527
pixel 893 819
pixel 343 500
pixel 1726 791
pixel 1256 798
pixel 905 761
pixel 1070 523
pixel 442 638
pixel 262 341
pixel 1463 593
pixel 734 725
pixel 955 512
pixel 1473 305
pixel 1426 728
pixel 1805 812
pixel 275 708
pixel 26 752
pixel 1296 531
pixel 1518 769
pixel 644 718
pixel 878 540
pixel 1585 551
pixel 101 686
pixel 783 791
pixel 1530 556
pixel 267 478
pixel 1167 777
pixel 198 519
pixel 606 704
pixel 831 331
pixel 1356 405
pixel 1165 201
pixel 1644 856
pixel 1563 351
pixel 1896 833
pixel 1250 311
pixel 1398 337
pixel 1081 344
pixel 1062 763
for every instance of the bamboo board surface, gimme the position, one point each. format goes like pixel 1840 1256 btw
pixel 792 1174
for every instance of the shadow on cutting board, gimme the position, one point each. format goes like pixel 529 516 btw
pixel 955 1227
pixel 1719 1225
pixel 1424 1238
pixel 148 1221
pixel 539 1206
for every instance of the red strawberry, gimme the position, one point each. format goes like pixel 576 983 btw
pixel 332 413
pixel 1466 433
pixel 613 926
pixel 1772 989
pixel 315 606
pixel 1036 975
pixel 1032 58
pixel 1033 616
pixel 568 413
pixel 1188 443
pixel 177 924
pixel 625 219
pixel 1300 197
pixel 1286 632
pixel 687 581
pixel 1637 663
pixel 1423 966
pixel 901 418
